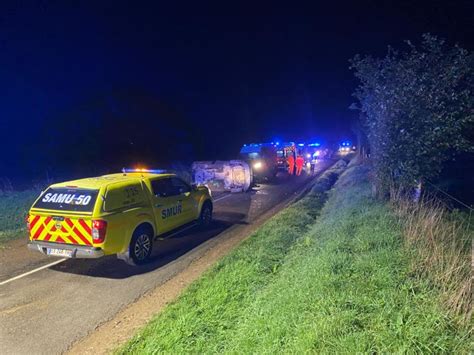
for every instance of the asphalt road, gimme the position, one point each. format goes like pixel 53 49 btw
pixel 47 310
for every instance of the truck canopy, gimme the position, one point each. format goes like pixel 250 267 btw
pixel 69 199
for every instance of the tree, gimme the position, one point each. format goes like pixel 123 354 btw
pixel 416 108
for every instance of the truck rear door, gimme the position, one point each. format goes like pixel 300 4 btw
pixel 63 215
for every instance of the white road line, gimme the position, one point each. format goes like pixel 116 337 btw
pixel 32 271
pixel 61 260
pixel 223 197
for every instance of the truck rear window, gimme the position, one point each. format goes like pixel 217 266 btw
pixel 67 199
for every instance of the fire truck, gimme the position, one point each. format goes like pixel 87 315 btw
pixel 283 152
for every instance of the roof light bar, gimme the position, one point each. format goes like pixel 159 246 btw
pixel 151 171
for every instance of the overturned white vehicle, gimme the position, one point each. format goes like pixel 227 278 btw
pixel 228 175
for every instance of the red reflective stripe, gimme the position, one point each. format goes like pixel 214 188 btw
pixel 78 233
pixel 63 229
pixel 47 220
pixel 47 237
pixel 85 226
pixel 69 222
pixel 60 240
pixel 38 232
pixel 53 228
pixel 71 239
pixel 33 222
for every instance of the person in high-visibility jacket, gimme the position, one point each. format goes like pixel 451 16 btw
pixel 299 164
pixel 291 163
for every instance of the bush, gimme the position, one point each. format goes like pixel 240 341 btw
pixel 417 109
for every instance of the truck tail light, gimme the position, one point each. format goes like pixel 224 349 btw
pixel 27 220
pixel 99 228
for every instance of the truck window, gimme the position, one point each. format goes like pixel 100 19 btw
pixel 179 186
pixel 120 196
pixel 161 187
pixel 67 199
pixel 169 187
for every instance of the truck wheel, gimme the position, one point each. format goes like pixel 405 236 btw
pixel 141 246
pixel 205 217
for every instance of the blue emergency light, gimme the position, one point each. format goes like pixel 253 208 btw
pixel 151 171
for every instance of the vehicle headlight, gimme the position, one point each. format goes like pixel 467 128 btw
pixel 257 165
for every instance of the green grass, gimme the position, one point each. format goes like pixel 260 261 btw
pixel 335 279
pixel 440 242
pixel 13 209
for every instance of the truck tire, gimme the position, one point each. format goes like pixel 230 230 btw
pixel 141 245
pixel 205 218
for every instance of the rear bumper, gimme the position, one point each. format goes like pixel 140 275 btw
pixel 78 251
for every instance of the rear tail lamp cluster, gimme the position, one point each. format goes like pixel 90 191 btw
pixel 27 220
pixel 99 229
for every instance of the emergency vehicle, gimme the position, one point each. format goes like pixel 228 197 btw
pixel 346 147
pixel 262 158
pixel 119 214
pixel 284 151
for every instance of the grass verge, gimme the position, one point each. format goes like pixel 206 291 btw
pixel 335 279
pixel 441 244
pixel 13 209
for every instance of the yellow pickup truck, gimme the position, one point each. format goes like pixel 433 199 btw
pixel 119 214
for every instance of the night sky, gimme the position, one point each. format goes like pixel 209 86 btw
pixel 222 74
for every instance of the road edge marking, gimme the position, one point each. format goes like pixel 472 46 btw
pixel 32 271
